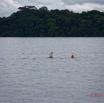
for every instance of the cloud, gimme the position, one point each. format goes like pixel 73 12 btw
pixel 85 7
pixel 51 4
pixel 7 7
pixel 70 2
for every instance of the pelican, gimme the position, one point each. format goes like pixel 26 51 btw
pixel 73 55
pixel 51 55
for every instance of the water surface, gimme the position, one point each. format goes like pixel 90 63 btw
pixel 27 75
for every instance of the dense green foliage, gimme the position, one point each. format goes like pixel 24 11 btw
pixel 32 22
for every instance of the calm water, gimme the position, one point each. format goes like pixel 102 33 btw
pixel 27 75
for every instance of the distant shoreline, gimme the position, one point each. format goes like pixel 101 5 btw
pixel 32 22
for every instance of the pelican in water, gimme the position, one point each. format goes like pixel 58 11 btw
pixel 73 55
pixel 51 55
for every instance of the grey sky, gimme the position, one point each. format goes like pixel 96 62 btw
pixel 9 6
pixel 83 1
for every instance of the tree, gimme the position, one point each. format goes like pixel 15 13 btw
pixel 27 8
pixel 43 8
pixel 32 22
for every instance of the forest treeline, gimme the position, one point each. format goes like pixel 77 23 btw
pixel 29 21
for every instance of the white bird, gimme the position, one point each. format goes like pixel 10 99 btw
pixel 51 55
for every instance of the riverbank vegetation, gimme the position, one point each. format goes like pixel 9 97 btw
pixel 29 21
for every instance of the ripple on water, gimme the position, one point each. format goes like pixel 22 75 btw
pixel 27 75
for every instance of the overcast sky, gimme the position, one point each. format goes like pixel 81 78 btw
pixel 7 7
